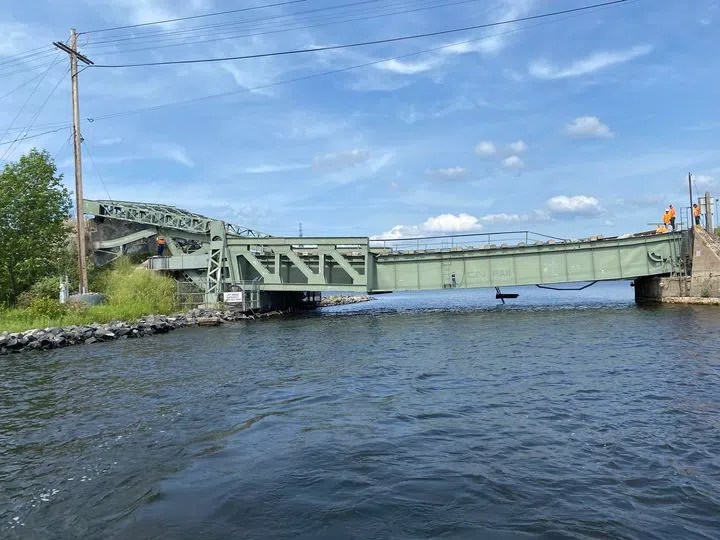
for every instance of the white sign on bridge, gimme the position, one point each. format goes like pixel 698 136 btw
pixel 233 297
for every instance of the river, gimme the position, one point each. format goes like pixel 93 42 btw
pixel 417 415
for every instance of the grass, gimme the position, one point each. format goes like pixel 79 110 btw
pixel 131 293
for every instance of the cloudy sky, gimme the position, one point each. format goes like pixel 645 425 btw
pixel 575 125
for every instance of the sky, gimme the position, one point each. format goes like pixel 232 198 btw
pixel 572 126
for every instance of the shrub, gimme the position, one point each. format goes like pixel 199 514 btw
pixel 47 307
pixel 139 289
pixel 48 288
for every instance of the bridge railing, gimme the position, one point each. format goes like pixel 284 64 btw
pixel 460 242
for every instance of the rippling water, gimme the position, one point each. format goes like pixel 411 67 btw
pixel 563 415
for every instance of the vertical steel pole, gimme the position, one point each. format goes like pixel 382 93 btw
pixel 692 216
pixel 78 165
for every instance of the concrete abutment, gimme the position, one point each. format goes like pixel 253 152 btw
pixel 701 287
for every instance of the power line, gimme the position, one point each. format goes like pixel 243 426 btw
pixel 25 138
pixel 49 125
pixel 37 113
pixel 179 42
pixel 193 17
pixel 42 78
pixel 156 35
pixel 23 57
pixel 365 43
pixel 23 85
pixel 16 70
pixel 326 73
pixel 278 26
pixel 95 167
pixel 67 140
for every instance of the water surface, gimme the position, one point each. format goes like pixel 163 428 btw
pixel 419 415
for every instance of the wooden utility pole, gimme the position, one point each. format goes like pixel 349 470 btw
pixel 77 140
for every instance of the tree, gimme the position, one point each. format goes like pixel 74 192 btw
pixel 34 209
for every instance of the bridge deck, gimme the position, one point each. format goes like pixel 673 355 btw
pixel 546 263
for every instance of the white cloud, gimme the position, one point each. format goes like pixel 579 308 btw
pixel 503 219
pixel 452 223
pixel 174 153
pixel 576 205
pixel 588 126
pixel 338 161
pixel 451 172
pixel 702 181
pixel 264 169
pixel 542 69
pixel 143 11
pixel 488 45
pixel 493 44
pixel 513 162
pixel 442 224
pixel 377 83
pixel 647 200
pixel 485 149
pixel 380 162
pixel 460 223
pixel 110 141
pixel 407 68
pixel 518 147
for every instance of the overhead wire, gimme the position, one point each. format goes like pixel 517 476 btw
pixel 11 71
pixel 23 85
pixel 95 167
pixel 236 23
pixel 26 137
pixel 23 57
pixel 64 144
pixel 295 23
pixel 20 111
pixel 331 72
pixel 364 43
pixel 37 113
pixel 191 17
pixel 184 42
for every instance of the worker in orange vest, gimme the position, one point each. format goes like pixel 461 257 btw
pixel 666 217
pixel 696 214
pixel 672 217
pixel 160 246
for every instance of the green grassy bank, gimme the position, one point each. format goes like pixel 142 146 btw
pixel 131 293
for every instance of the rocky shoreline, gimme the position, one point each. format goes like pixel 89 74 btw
pixel 58 338
pixel 344 300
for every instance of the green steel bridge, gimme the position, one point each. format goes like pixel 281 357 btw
pixel 217 257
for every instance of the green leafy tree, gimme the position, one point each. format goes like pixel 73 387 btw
pixel 34 209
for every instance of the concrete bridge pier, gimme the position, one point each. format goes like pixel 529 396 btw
pixel 702 286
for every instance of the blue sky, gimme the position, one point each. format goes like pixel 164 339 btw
pixel 582 125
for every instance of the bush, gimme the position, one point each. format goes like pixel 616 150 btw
pixel 131 293
pixel 139 290
pixel 47 307
pixel 48 288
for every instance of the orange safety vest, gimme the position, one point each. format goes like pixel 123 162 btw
pixel 696 211
pixel 672 213
pixel 666 218
pixel 161 241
